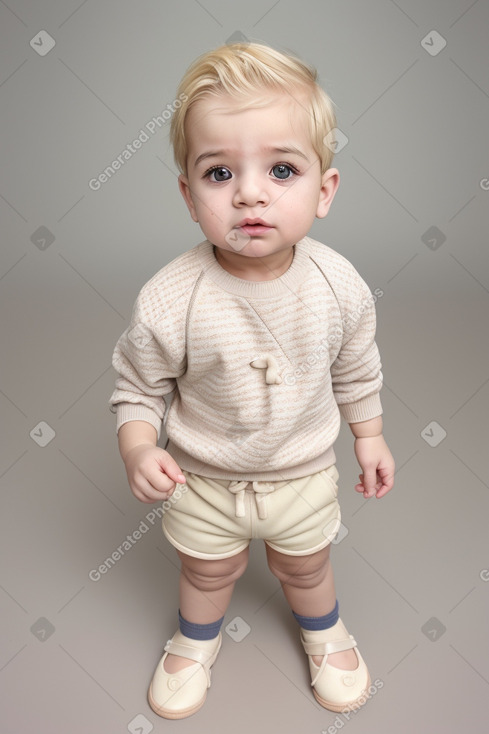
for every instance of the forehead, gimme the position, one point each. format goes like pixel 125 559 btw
pixel 223 118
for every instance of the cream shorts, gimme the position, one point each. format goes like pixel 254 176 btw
pixel 217 518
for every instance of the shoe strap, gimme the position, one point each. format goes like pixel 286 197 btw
pixel 328 648
pixel 188 651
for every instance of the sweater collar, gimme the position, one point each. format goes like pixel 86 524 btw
pixel 288 281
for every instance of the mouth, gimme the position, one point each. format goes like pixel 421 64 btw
pixel 254 226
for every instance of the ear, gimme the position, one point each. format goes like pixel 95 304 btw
pixel 184 186
pixel 329 185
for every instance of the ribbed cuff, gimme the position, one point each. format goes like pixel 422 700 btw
pixel 362 410
pixel 199 631
pixel 136 412
pixel 319 623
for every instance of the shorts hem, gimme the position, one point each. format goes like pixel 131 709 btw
pixel 327 541
pixel 199 554
pixel 300 552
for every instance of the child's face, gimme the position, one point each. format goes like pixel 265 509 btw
pixel 257 163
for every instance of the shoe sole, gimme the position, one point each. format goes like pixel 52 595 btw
pixel 182 714
pixel 350 705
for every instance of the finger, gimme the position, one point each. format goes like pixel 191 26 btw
pixel 159 493
pixel 171 468
pixel 359 487
pixel 384 489
pixel 369 482
pixel 158 478
pixel 160 483
pixel 387 481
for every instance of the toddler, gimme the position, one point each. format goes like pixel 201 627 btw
pixel 265 337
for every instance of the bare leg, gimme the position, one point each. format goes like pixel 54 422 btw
pixel 308 586
pixel 206 588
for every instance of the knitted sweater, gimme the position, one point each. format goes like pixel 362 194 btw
pixel 260 371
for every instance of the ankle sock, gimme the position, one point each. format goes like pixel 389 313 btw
pixel 199 631
pixel 319 623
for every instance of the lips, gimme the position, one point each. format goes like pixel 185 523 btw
pixel 254 227
pixel 253 222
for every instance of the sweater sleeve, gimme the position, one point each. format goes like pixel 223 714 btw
pixel 356 372
pixel 148 357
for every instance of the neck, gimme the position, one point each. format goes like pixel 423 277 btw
pixel 255 269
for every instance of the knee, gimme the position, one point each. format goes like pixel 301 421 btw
pixel 299 571
pixel 214 575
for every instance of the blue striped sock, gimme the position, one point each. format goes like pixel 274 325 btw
pixel 199 631
pixel 319 623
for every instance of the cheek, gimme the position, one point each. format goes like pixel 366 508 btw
pixel 300 206
pixel 210 220
pixel 209 214
pixel 210 206
pixel 298 200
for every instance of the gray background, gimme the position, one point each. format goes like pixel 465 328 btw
pixel 411 574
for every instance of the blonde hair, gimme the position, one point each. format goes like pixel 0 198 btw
pixel 242 70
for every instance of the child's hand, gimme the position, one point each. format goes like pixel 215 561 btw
pixel 152 473
pixel 377 464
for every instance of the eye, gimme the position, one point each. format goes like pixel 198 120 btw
pixel 283 171
pixel 218 174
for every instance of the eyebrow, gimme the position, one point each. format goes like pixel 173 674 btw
pixel 218 153
pixel 290 149
pixel 210 154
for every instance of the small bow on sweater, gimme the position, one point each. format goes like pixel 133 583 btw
pixel 268 361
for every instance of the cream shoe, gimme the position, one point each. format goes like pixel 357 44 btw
pixel 177 695
pixel 335 689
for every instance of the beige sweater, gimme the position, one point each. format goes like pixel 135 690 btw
pixel 261 371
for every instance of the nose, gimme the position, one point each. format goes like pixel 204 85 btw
pixel 251 189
